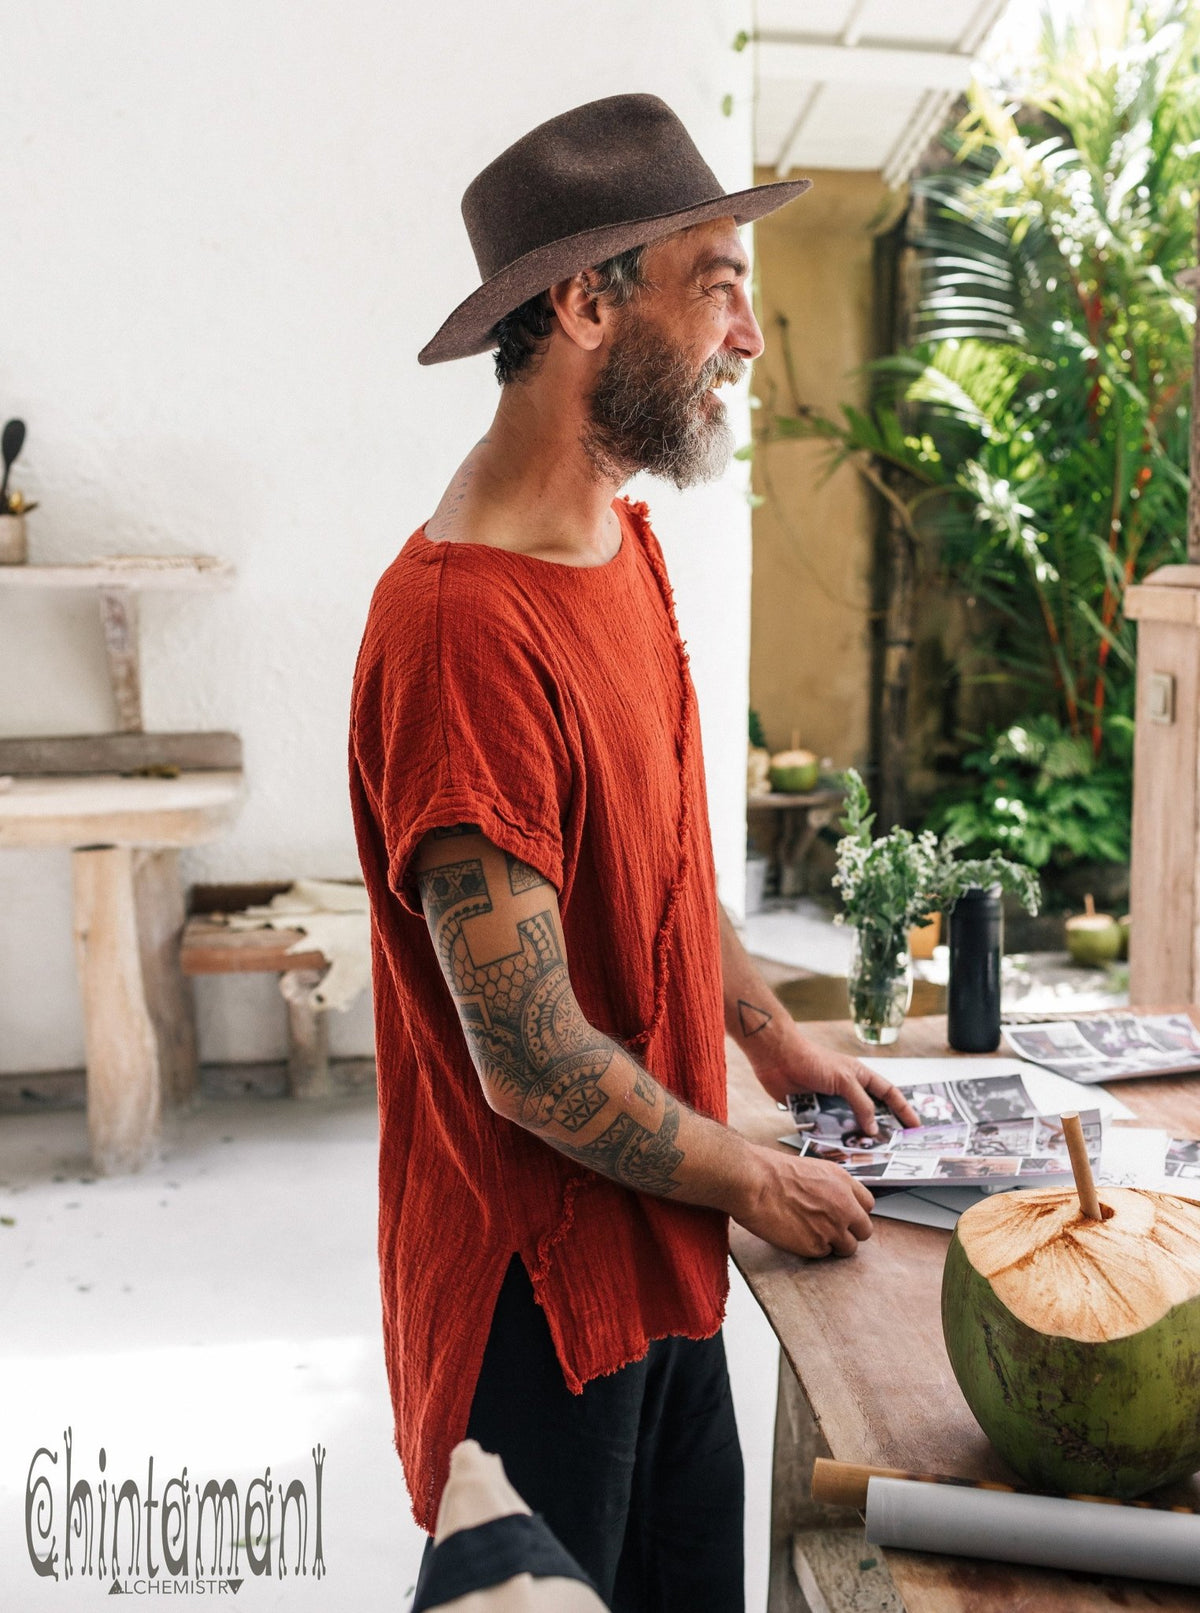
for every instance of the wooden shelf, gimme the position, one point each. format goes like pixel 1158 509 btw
pixel 124 831
pixel 185 572
pixel 108 809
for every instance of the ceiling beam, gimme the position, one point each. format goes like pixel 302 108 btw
pixel 797 56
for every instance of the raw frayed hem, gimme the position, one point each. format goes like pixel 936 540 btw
pixel 576 1384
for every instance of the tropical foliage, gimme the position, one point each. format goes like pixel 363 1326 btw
pixel 1039 795
pixel 1034 441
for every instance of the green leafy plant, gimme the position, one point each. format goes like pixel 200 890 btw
pixel 1032 445
pixel 1037 792
pixel 892 882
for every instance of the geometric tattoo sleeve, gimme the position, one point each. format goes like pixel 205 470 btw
pixel 531 1043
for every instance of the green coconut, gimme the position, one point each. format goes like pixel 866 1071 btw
pixel 795 771
pixel 1076 1342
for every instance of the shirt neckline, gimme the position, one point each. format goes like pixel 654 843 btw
pixel 605 568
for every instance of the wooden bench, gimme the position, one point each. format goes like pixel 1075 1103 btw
pixel 209 947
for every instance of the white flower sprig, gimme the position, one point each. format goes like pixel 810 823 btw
pixel 891 882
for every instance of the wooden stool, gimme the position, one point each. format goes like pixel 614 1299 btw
pixel 212 948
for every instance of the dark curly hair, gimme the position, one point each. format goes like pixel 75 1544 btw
pixel 522 335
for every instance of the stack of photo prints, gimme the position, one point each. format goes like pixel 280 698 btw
pixel 986 1132
pixel 1109 1047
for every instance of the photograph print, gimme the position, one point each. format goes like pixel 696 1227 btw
pixel 974 1170
pixel 991 1098
pixel 992 1138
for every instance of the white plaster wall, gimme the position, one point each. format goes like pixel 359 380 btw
pixel 228 229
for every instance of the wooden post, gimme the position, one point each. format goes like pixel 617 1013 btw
pixel 1193 279
pixel 170 1000
pixel 1164 937
pixel 798 1442
pixel 124 1095
pixel 308 1036
pixel 119 615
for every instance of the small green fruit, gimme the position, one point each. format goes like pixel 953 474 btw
pixel 1093 939
pixel 795 772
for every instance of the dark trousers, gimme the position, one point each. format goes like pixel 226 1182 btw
pixel 640 1476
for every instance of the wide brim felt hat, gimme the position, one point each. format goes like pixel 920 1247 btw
pixel 597 180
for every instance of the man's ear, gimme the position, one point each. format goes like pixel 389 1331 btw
pixel 583 316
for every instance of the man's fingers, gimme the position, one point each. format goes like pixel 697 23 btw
pixel 864 1196
pixel 881 1088
pixel 900 1107
pixel 861 1102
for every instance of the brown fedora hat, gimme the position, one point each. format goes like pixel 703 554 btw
pixel 590 183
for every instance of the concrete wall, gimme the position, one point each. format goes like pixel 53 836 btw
pixel 813 534
pixel 229 228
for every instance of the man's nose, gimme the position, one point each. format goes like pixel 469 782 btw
pixel 744 335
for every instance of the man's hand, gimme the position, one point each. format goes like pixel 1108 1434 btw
pixel 806 1206
pixel 798 1065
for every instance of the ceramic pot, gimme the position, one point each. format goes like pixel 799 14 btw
pixel 14 550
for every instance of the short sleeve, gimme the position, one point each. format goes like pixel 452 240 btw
pixel 458 719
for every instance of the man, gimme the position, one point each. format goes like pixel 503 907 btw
pixel 555 1173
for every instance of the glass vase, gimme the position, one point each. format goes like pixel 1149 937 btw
pixel 880 985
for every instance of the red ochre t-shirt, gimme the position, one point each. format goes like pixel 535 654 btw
pixel 552 706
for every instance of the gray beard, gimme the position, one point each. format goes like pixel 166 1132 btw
pixel 649 412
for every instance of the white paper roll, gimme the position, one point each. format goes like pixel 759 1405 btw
pixel 1041 1531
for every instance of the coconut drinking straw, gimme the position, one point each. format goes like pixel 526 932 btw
pixel 1081 1165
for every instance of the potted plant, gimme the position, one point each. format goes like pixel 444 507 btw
pixel 893 882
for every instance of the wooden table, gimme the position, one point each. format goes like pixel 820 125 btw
pixel 865 1375
pixel 124 835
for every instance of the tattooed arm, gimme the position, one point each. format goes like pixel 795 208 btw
pixel 783 1059
pixel 495 926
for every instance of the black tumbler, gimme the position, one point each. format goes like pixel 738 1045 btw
pixel 976 944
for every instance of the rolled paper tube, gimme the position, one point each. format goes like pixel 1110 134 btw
pixel 1081 1165
pixel 844 1484
pixel 1037 1530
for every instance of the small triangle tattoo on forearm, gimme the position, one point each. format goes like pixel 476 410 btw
pixel 752 1019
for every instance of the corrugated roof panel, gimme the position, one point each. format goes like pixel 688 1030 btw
pixel 825 18
pixel 850 128
pixel 778 103
pixel 860 84
pixel 942 24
